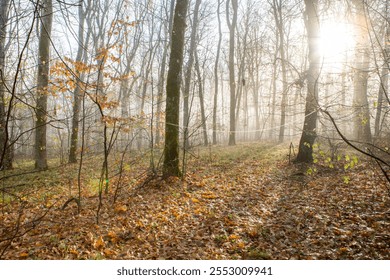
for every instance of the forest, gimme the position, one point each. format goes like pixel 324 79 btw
pixel 194 129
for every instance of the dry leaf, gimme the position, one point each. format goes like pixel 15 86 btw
pixel 120 209
pixel 99 243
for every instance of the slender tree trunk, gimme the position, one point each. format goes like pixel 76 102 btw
pixel 362 131
pixel 216 83
pixel 42 85
pixel 305 152
pixel 383 88
pixel 161 83
pixel 241 69
pixel 188 74
pixel 5 150
pixel 278 15
pixel 201 100
pixel 384 78
pixel 77 94
pixel 232 24
pixel 274 87
pixel 171 148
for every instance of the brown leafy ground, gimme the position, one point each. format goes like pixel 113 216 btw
pixel 244 202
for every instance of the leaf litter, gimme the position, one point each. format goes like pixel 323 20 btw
pixel 244 202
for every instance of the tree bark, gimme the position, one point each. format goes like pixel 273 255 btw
pixel 42 85
pixel 171 148
pixel 305 152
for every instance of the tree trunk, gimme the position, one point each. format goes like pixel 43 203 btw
pixel 161 83
pixel 278 15
pixel 232 79
pixel 201 101
pixel 42 85
pixel 216 75
pixel 362 130
pixel 187 83
pixel 171 149
pixel 5 149
pixel 384 76
pixel 77 94
pixel 305 152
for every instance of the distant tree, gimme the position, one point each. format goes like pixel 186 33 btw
pixel 279 22
pixel 46 19
pixel 171 148
pixel 309 134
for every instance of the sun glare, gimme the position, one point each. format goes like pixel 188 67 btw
pixel 336 41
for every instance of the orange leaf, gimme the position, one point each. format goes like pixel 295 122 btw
pixel 23 255
pixel 99 243
pixel 121 209
pixel 109 252
pixel 233 237
pixel 74 252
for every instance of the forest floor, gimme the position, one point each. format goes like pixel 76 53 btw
pixel 242 202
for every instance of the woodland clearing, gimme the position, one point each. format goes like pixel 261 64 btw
pixel 241 202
